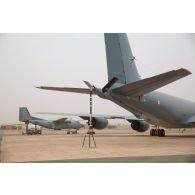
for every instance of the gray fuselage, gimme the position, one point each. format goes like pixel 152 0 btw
pixel 57 126
pixel 158 108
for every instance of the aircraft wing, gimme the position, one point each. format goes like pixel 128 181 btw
pixel 35 118
pixel 61 120
pixel 147 85
pixel 68 89
pixel 87 116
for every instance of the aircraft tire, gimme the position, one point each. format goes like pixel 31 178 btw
pixel 153 132
pixel 161 132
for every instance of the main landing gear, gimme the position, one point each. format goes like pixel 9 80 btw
pixel 157 132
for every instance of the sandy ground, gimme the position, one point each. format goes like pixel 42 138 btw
pixel 120 143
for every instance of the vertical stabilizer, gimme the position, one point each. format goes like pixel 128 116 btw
pixel 24 115
pixel 120 60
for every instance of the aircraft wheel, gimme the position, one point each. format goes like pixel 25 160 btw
pixel 155 132
pixel 151 132
pixel 161 132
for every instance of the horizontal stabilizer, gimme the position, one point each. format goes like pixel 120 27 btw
pixel 147 85
pixel 67 89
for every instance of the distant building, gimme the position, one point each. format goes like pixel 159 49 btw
pixel 16 127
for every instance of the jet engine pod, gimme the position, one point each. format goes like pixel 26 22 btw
pixel 99 123
pixel 139 126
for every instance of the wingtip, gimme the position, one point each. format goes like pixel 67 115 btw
pixel 88 84
pixel 189 72
pixel 186 71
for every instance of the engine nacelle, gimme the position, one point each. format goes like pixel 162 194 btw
pixel 99 122
pixel 139 126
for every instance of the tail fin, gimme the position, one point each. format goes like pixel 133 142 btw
pixel 24 115
pixel 120 60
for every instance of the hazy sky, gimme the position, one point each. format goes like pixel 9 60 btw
pixel 29 60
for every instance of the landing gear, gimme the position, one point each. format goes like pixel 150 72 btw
pixel 153 132
pixel 157 132
pixel 161 132
pixel 34 131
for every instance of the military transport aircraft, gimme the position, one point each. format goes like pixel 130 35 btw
pixel 98 121
pixel 126 88
pixel 63 123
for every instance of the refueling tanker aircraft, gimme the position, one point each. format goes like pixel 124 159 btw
pixel 63 123
pixel 126 88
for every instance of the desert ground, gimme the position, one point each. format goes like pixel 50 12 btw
pixel 120 145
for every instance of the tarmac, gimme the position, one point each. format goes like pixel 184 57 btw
pixel 113 146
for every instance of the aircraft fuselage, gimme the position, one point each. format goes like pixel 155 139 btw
pixel 158 108
pixel 57 126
